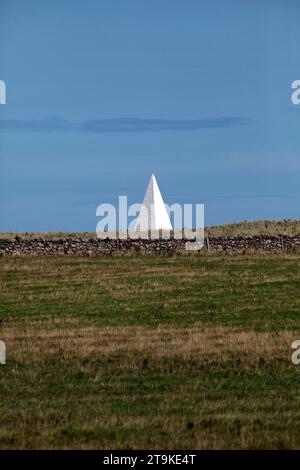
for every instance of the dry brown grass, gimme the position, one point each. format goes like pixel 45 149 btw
pixel 217 342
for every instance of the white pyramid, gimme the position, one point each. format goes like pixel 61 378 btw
pixel 153 214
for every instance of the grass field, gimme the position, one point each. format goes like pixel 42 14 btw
pixel 186 351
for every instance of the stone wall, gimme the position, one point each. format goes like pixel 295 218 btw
pixel 89 247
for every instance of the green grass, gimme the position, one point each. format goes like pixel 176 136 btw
pixel 250 291
pixel 185 351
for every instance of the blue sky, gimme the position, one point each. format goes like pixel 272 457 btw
pixel 101 94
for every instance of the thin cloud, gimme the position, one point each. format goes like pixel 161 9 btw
pixel 125 124
pixel 153 125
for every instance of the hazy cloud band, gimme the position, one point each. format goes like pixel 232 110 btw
pixel 124 124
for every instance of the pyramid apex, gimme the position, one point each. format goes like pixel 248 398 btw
pixel 153 214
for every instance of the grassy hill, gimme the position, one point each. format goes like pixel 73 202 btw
pixel 177 352
pixel 246 228
pixel 256 227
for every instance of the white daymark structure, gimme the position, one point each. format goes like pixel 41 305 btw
pixel 153 214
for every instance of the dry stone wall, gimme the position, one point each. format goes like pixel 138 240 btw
pixel 89 247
